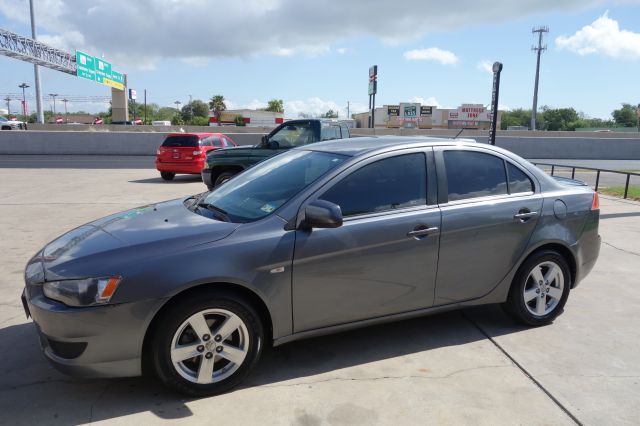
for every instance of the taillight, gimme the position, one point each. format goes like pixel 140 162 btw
pixel 595 204
pixel 197 153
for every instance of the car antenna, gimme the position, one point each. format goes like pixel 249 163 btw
pixel 462 130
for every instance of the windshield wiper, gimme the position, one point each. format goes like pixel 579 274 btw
pixel 216 210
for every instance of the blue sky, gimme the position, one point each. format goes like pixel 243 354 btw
pixel 312 66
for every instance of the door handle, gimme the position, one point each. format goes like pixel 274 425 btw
pixel 422 232
pixel 524 215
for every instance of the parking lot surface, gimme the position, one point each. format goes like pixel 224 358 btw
pixel 473 367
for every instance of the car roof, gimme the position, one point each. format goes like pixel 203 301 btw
pixel 356 146
pixel 200 135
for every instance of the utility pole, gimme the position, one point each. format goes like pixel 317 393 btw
pixel 66 114
pixel 36 70
pixel 539 49
pixel 145 106
pixel 178 103
pixel 54 95
pixel 348 111
pixel 190 109
pixel 24 98
pixel 8 101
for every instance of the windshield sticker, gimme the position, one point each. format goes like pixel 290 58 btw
pixel 267 208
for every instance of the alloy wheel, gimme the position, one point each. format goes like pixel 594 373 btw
pixel 209 346
pixel 544 288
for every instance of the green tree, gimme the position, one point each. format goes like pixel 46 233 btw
pixel 559 118
pixel 516 117
pixel 193 109
pixel 625 116
pixel 330 114
pixel 165 114
pixel 239 121
pixel 275 105
pixel 217 105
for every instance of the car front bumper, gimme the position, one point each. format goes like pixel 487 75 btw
pixel 100 341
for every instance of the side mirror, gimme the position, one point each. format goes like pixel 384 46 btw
pixel 322 214
pixel 265 139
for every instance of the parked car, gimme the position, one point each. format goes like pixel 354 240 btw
pixel 320 239
pixel 185 152
pixel 224 164
pixel 11 124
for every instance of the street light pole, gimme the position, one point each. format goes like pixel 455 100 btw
pixel 178 103
pixel 66 115
pixel 8 101
pixel 24 98
pixel 36 70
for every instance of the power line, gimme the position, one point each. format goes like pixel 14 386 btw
pixel 538 49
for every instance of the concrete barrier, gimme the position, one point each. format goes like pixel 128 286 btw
pixel 542 145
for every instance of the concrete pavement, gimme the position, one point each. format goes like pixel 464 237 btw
pixel 470 367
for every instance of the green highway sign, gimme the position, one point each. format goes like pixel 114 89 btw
pixel 98 70
pixel 103 68
pixel 85 66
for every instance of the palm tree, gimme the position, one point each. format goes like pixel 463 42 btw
pixel 217 105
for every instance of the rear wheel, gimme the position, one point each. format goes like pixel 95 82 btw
pixel 167 175
pixel 223 177
pixel 540 289
pixel 207 344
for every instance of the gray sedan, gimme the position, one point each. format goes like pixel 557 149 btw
pixel 317 240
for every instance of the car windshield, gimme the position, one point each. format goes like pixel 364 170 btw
pixel 3 119
pixel 181 141
pixel 265 187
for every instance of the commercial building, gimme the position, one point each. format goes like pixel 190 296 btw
pixel 251 117
pixel 411 115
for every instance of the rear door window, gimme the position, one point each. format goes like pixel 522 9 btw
pixel 472 174
pixel 181 141
pixel 388 184
pixel 518 180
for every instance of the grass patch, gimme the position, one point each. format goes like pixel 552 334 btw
pixel 618 191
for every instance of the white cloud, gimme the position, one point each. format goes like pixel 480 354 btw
pixel 486 66
pixel 430 101
pixel 139 33
pixel 603 36
pixel 342 50
pixel 432 54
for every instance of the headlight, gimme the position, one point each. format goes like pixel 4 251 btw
pixel 87 292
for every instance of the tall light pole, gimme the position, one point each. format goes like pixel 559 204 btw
pixel 178 103
pixel 190 108
pixel 53 95
pixel 538 49
pixel 8 101
pixel 36 70
pixel 24 98
pixel 66 115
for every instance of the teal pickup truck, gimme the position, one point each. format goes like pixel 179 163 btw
pixel 221 165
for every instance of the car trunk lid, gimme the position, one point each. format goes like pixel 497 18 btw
pixel 180 149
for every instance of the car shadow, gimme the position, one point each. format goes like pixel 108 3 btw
pixel 28 382
pixel 179 179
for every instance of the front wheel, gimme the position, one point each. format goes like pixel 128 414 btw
pixel 207 344
pixel 540 289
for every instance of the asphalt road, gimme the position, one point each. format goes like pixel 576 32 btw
pixel 469 367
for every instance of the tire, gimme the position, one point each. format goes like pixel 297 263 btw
pixel 223 177
pixel 167 175
pixel 543 273
pixel 174 330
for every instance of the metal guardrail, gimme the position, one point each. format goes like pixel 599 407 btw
pixel 573 173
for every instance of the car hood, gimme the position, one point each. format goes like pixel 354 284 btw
pixel 145 231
